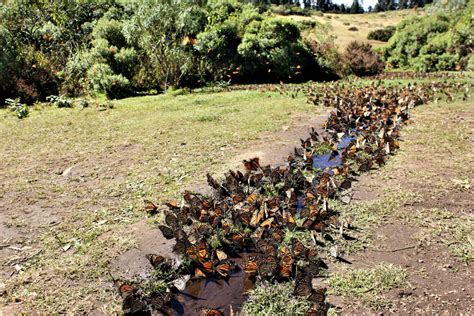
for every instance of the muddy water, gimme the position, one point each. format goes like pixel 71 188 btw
pixel 215 293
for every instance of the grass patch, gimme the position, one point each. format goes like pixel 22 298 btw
pixel 153 147
pixel 275 299
pixel 367 285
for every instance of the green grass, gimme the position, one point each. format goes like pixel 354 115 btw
pixel 146 147
pixel 275 299
pixel 367 285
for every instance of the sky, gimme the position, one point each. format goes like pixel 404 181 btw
pixel 365 3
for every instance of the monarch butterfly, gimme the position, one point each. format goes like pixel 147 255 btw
pixel 206 311
pixel 285 267
pixel 224 268
pixel 251 265
pixel 207 267
pixel 302 285
pixel 266 247
pixel 221 255
pixel 202 215
pixel 197 253
pixel 318 295
pixel 237 239
pixel 183 216
pixel 198 273
pixel 150 207
pixel 236 198
pixel 277 235
pixel 126 289
pixel 252 198
pixel 317 309
pixel 298 248
pixel 171 220
pixel 257 216
pixel 159 300
pixel 245 217
pixel 267 223
pixel 155 260
pixel 267 266
pixel 172 204
pixel 252 164
pixel 167 232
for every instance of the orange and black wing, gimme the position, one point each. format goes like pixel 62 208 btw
pixel 150 207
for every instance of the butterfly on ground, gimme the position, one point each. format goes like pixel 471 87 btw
pixel 150 207
pixel 167 232
pixel 252 164
pixel 206 311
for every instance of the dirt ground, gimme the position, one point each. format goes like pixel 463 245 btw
pixel 435 165
pixel 430 236
pixel 56 200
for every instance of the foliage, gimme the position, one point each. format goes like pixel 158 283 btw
pixel 290 10
pixel 360 60
pixel 19 109
pixel 37 38
pixel 432 43
pixel 59 101
pixel 382 35
pixel 272 50
pixel 119 48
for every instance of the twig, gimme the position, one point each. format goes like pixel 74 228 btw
pixel 394 250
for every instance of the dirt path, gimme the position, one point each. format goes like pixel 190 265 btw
pixel 430 235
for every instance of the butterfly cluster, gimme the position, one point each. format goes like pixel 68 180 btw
pixel 255 211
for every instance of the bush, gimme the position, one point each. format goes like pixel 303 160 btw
pixel 272 50
pixel 59 101
pixel 353 28
pixel 19 109
pixel 360 60
pixel 290 10
pixel 382 35
pixel 328 58
pixel 432 43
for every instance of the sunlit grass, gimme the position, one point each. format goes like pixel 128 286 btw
pixel 367 285
pixel 151 147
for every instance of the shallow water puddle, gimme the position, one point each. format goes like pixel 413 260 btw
pixel 216 293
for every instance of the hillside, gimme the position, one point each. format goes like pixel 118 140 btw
pixel 337 25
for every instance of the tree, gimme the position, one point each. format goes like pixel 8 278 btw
pixel 356 7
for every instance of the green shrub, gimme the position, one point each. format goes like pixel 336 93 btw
pixel 19 109
pixel 272 50
pixel 360 60
pixel 103 80
pixel 59 101
pixel 435 42
pixel 327 57
pixel 470 64
pixel 382 35
pixel 109 30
